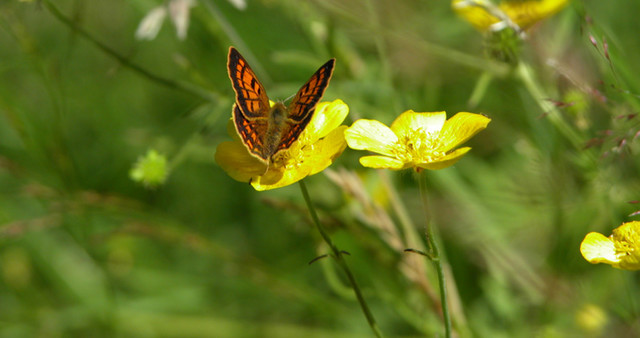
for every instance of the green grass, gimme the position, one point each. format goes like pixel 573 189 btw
pixel 85 251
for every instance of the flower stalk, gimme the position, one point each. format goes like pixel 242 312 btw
pixel 337 255
pixel 434 255
pixel 525 74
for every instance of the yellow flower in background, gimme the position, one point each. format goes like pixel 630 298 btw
pixel 620 250
pixel 316 148
pixel 591 319
pixel 415 140
pixel 482 14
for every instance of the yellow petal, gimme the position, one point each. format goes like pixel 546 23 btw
pixel 526 13
pixel 630 263
pixel 410 121
pixel 596 248
pixel 446 161
pixel 233 157
pixel 276 179
pixel 328 149
pixel 371 135
pixel 475 15
pixel 311 159
pixel 327 117
pixel 382 162
pixel 460 128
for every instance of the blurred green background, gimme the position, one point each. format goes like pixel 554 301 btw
pixel 85 251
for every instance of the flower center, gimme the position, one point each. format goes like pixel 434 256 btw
pixel 627 242
pixel 293 157
pixel 420 146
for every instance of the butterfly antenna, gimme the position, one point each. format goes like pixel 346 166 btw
pixel 289 98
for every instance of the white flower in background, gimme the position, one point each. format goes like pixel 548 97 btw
pixel 178 11
pixel 239 4
pixel 179 14
pixel 151 23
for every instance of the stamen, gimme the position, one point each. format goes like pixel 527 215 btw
pixel 419 146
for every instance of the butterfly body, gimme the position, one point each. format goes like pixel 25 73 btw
pixel 276 123
pixel 266 129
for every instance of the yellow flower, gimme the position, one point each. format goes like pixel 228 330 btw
pixel 316 148
pixel 524 13
pixel 620 250
pixel 415 140
pixel 591 319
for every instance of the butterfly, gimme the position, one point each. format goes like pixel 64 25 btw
pixel 266 130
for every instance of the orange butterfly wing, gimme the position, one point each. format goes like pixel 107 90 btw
pixel 304 103
pixel 252 133
pixel 250 94
pixel 250 113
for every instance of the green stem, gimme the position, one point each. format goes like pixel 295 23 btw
pixel 435 254
pixel 184 87
pixel 481 88
pixel 525 74
pixel 337 254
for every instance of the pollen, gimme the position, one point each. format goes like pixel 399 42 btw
pixel 419 146
pixel 626 239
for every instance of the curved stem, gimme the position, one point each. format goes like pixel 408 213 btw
pixel 184 87
pixel 525 74
pixel 435 257
pixel 337 254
